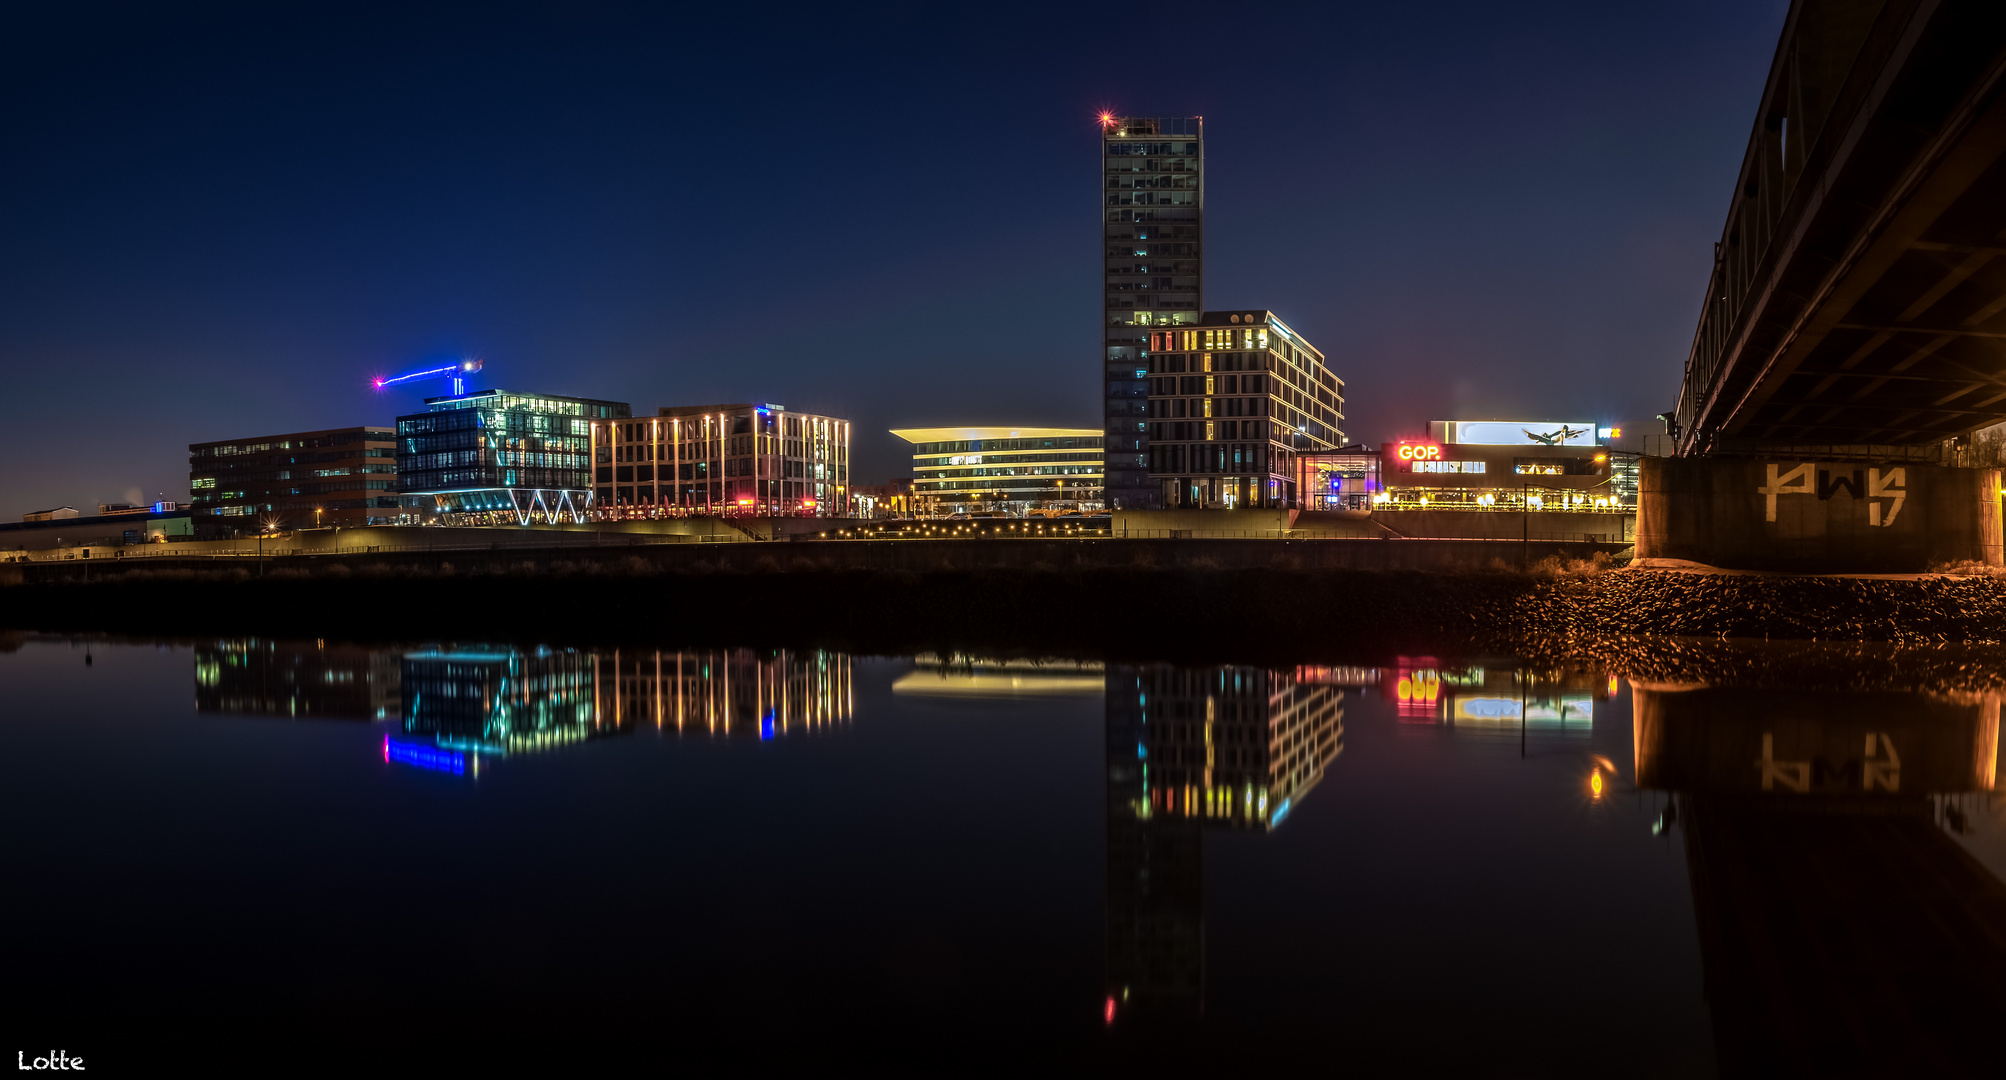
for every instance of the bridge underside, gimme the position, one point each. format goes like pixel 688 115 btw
pixel 1859 294
pixel 1912 346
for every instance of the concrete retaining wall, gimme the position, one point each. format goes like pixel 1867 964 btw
pixel 1808 516
pixel 919 556
pixel 1505 525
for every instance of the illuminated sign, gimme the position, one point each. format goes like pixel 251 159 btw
pixel 1418 452
pixel 1516 432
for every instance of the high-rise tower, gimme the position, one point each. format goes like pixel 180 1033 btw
pixel 1152 239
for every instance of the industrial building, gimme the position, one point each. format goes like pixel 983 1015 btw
pixel 336 477
pixel 97 534
pixel 714 459
pixel 1153 247
pixel 1233 403
pixel 499 456
pixel 1005 470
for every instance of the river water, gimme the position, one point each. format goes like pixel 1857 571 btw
pixel 268 855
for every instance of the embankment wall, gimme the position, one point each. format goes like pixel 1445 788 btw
pixel 1808 516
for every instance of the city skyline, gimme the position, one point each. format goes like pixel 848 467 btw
pixel 230 222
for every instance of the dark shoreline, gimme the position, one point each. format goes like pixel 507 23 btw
pixel 1258 616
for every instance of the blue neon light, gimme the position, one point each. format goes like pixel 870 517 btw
pixel 766 726
pixel 424 757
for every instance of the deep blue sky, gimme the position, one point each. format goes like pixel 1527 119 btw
pixel 218 221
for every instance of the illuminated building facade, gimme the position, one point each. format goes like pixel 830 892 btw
pixel 1498 465
pixel 1346 478
pixel 1153 248
pixel 303 679
pixel 338 477
pixel 499 457
pixel 717 459
pixel 1014 470
pixel 1233 404
pixel 1190 749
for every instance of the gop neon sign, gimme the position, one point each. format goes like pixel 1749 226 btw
pixel 1418 452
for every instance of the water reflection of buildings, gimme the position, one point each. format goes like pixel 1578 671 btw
pixel 763 694
pixel 1190 749
pixel 1475 700
pixel 962 675
pixel 308 679
pixel 498 700
pixel 1842 931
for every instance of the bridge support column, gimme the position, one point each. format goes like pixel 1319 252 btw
pixel 1811 516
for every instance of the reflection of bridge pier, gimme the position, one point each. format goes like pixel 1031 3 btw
pixel 1192 749
pixel 1842 931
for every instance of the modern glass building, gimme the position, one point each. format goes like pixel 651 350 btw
pixel 499 456
pixel 716 459
pixel 1152 239
pixel 1009 470
pixel 338 477
pixel 1233 402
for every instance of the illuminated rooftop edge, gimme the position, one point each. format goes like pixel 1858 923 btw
pixel 952 434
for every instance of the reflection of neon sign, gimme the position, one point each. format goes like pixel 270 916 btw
pixel 1418 452
pixel 424 757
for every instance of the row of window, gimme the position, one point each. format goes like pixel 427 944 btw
pixel 963 446
pixel 1152 149
pixel 1210 430
pixel 1027 470
pixel 1179 408
pixel 1207 458
pixel 989 459
pixel 1157 250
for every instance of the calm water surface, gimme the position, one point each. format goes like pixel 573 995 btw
pixel 329 854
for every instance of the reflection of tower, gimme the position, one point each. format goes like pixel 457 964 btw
pixel 1190 749
pixel 501 700
pixel 261 677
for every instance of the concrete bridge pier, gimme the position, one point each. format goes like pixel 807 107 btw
pixel 1809 514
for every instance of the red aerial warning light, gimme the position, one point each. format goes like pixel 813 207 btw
pixel 1106 118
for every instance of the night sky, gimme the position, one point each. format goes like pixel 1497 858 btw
pixel 220 221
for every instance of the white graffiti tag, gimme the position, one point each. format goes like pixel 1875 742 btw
pixel 1878 487
pixel 1781 485
pixel 1803 478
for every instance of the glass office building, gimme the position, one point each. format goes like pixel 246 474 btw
pixel 1233 403
pixel 338 477
pixel 498 456
pixel 1152 239
pixel 1008 470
